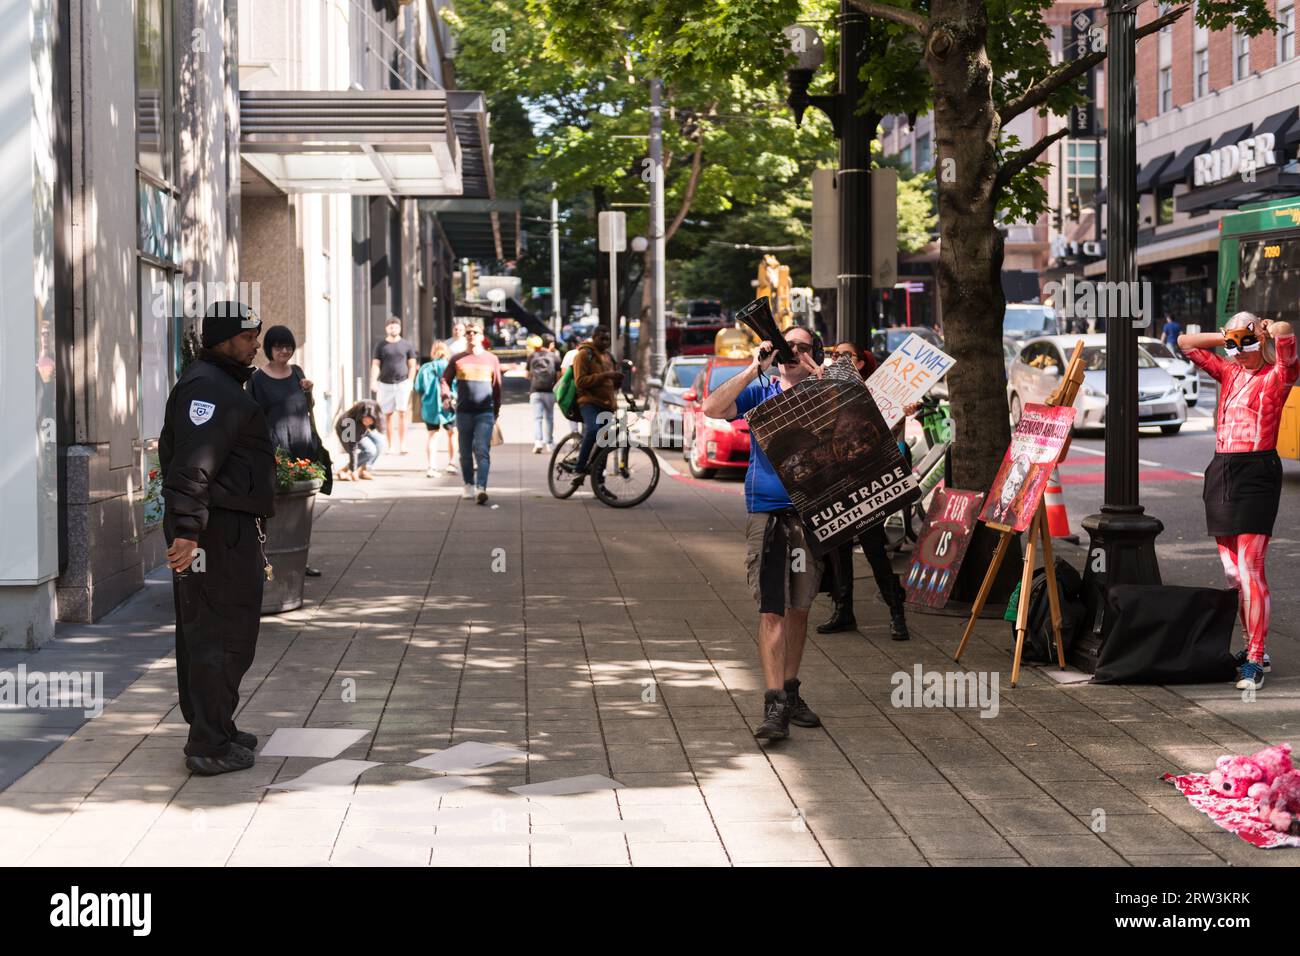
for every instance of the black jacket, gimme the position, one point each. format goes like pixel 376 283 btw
pixel 215 450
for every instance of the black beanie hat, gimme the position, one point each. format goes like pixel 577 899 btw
pixel 226 319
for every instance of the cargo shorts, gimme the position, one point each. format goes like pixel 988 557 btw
pixel 779 566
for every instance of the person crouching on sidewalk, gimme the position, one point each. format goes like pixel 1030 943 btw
pixel 783 586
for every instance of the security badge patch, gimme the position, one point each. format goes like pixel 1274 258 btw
pixel 201 412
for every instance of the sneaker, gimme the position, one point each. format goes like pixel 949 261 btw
pixel 1267 664
pixel 1252 676
pixel 237 758
pixel 430 472
pixel 468 492
pixel 550 447
pixel 776 717
pixel 537 448
pixel 482 496
pixel 801 715
pixel 452 469
pixel 246 740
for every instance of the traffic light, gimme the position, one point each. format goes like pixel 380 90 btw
pixel 1056 219
pixel 1074 207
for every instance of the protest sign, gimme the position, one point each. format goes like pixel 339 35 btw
pixel 1035 446
pixel 941 546
pixel 904 377
pixel 835 456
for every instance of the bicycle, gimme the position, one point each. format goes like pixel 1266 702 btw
pixel 622 470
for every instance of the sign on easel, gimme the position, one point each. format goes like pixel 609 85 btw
pixel 1036 444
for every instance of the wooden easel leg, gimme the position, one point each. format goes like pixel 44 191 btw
pixel 1022 608
pixel 999 553
pixel 1053 596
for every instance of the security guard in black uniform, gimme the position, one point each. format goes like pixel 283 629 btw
pixel 218 471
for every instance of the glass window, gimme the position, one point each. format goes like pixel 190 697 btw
pixel 905 154
pixel 721 373
pixel 157 350
pixel 1241 59
pixel 1164 207
pixel 1081 169
pixel 1094 358
pixel 923 152
pixel 1286 33
pixel 1202 65
pixel 152 98
pixel 1166 89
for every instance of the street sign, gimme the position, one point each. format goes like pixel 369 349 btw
pixel 612 231
pixel 1083 118
pixel 541 290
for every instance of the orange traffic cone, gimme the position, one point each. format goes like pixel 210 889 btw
pixel 1058 520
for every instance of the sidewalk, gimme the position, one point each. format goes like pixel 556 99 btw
pixel 621 643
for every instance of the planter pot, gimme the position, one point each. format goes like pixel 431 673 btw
pixel 288 535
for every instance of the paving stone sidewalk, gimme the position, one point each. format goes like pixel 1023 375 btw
pixel 622 643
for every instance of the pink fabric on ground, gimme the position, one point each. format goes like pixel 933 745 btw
pixel 1234 815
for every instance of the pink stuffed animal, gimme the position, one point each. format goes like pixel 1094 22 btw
pixel 1236 776
pixel 1279 803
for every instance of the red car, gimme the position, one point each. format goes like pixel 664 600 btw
pixel 710 443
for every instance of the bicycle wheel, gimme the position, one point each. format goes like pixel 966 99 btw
pixel 625 476
pixel 564 461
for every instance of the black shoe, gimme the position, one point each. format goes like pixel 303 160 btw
pixel 312 572
pixel 237 758
pixel 841 619
pixel 776 717
pixel 1241 660
pixel 801 715
pixel 246 740
pixel 898 627
pixel 482 497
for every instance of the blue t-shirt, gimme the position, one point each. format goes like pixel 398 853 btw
pixel 1171 331
pixel 763 489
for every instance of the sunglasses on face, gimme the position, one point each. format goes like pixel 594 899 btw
pixel 800 348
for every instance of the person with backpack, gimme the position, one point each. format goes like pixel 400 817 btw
pixel 597 382
pixel 543 373
pixel 437 414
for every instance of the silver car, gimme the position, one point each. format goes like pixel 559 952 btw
pixel 666 404
pixel 1184 372
pixel 1038 368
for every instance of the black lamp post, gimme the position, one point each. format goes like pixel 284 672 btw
pixel 853 178
pixel 1123 546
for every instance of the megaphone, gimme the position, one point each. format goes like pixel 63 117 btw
pixel 758 316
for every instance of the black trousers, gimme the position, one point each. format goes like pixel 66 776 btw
pixel 838 578
pixel 218 613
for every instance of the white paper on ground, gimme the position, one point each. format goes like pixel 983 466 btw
pixel 418 794
pixel 467 756
pixel 1068 676
pixel 567 785
pixel 336 773
pixel 310 742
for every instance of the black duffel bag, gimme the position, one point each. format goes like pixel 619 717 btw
pixel 1162 634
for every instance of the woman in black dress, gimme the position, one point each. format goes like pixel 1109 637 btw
pixel 284 393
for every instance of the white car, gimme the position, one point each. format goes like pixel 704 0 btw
pixel 1038 368
pixel 1184 372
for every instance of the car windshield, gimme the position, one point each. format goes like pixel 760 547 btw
pixel 1158 350
pixel 1094 359
pixel 681 376
pixel 721 373
pixel 1027 320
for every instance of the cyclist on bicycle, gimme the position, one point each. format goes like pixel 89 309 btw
pixel 597 383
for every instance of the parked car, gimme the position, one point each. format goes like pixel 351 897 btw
pixel 885 341
pixel 1184 372
pixel 666 403
pixel 1039 365
pixel 712 443
pixel 1023 320
pixel 1010 349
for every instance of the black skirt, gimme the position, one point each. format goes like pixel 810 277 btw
pixel 1242 490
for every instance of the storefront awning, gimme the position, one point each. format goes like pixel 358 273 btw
pixel 478 228
pixel 1283 127
pixel 1270 183
pixel 362 142
pixel 1180 169
pixel 1146 178
pixel 1232 137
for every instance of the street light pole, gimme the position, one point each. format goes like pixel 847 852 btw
pixel 853 178
pixel 1122 548
pixel 556 317
pixel 659 357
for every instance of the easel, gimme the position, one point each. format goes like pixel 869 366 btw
pixel 1064 394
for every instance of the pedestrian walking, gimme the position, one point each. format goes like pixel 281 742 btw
pixel 838 577
pixel 458 342
pixel 476 373
pixel 1243 482
pixel 218 470
pixel 1170 331
pixel 285 394
pixel 438 416
pixel 783 587
pixel 597 382
pixel 391 373
pixel 360 430
pixel 543 373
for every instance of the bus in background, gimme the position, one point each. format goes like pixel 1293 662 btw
pixel 1259 272
pixel 693 325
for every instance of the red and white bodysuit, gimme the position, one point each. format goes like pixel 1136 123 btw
pixel 1243 482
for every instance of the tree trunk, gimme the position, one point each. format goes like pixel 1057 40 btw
pixel 970 247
